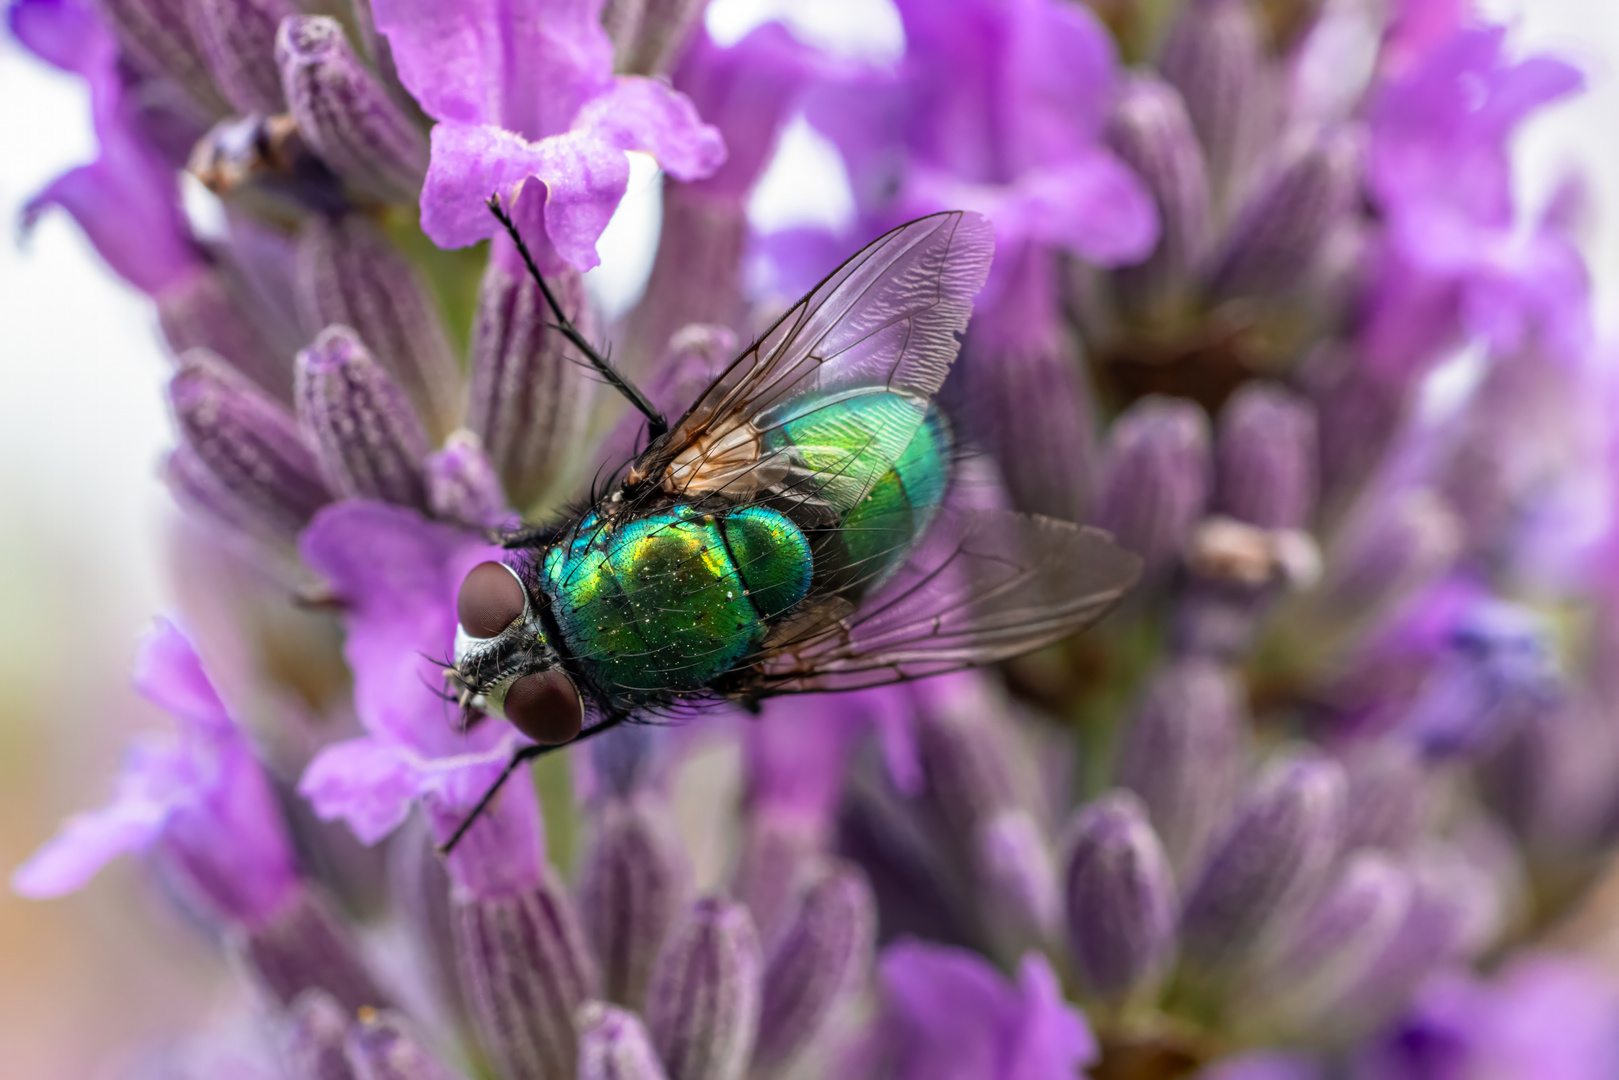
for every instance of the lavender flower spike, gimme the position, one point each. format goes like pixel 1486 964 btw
pixel 249 443
pixel 1279 844
pixel 613 1045
pixel 631 888
pixel 703 1004
pixel 1183 754
pixel 526 969
pixel 822 954
pixel 345 113
pixel 1265 457
pixel 238 40
pixel 382 1046
pixel 1157 479
pixel 371 444
pixel 1119 899
pixel 349 274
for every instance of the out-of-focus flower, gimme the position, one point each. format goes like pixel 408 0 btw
pixel 946 1013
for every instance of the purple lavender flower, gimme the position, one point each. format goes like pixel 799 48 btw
pixel 948 1014
pixel 528 92
pixel 201 803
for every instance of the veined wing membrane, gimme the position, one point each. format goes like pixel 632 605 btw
pixel 885 322
pixel 985 585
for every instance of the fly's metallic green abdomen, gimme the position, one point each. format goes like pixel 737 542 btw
pixel 875 535
pixel 673 600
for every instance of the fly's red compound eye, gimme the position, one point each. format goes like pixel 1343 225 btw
pixel 545 707
pixel 491 598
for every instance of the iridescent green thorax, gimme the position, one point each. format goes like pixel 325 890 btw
pixel 671 601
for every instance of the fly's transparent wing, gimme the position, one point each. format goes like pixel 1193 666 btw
pixel 984 586
pixel 887 322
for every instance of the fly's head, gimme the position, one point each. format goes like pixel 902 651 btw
pixel 503 664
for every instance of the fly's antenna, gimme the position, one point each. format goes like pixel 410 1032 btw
pixel 523 756
pixel 656 423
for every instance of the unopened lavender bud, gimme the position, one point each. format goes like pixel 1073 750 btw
pixel 631 888
pixel 462 485
pixel 1270 860
pixel 312 1045
pixel 1157 478
pixel 206 311
pixel 613 1045
pixel 160 36
pixel 1150 131
pixel 1183 754
pixel 1389 791
pixel 703 1005
pixel 349 274
pixel 1439 925
pixel 1336 942
pixel 201 493
pixel 819 958
pixel 382 1046
pixel 1119 899
pixel 371 444
pixel 250 444
pixel 1393 550
pixel 1017 881
pixel 1214 55
pixel 526 968
pixel 344 112
pixel 647 34
pixel 1277 236
pixel 969 759
pixel 238 41
pixel 1018 350
pixel 1265 458
pixel 303 948
pixel 528 393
